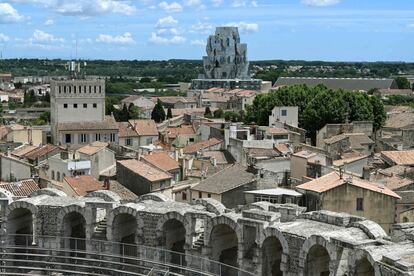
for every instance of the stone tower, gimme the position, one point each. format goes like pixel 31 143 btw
pixel 226 56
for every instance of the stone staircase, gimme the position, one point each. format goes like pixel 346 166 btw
pixel 100 230
pixel 199 242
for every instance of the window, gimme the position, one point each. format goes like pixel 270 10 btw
pixel 64 89
pixel 200 195
pixel 75 105
pixel 95 105
pixel 85 105
pixel 68 138
pixel 128 142
pixel 360 204
pixel 58 176
pixel 112 138
pixel 90 89
pixel 100 89
pixel 284 112
pixel 208 195
pixel 94 89
pixel 60 89
pixel 184 196
pixel 98 137
pixel 74 89
pixel 53 175
pixel 191 139
pixel 83 138
pixel 65 105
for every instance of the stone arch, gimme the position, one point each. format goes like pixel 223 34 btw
pixel 49 192
pixel 73 226
pixel 124 227
pixel 361 263
pixel 106 195
pixel 317 255
pixel 21 222
pixel 274 251
pixel 372 229
pixel 173 231
pixel 211 205
pixel 156 197
pixel 223 236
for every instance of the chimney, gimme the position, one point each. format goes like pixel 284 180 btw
pixel 366 174
pixel 107 184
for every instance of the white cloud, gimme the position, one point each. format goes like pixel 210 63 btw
pixel 157 39
pixel 320 3
pixel 173 7
pixel 85 7
pixel 254 4
pixel 198 42
pixel 192 3
pixel 245 27
pixel 202 28
pixel 239 3
pixel 166 22
pixel 126 38
pixel 217 3
pixel 49 22
pixel 4 38
pixel 8 14
pixel 43 37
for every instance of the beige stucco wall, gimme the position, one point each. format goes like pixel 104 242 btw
pixel 195 195
pixel 377 207
pixel 298 167
pixel 27 136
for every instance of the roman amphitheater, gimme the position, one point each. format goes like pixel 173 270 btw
pixel 52 234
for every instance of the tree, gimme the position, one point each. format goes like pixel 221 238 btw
pixel 169 113
pixel 158 113
pixel 123 114
pixel 402 83
pixel 45 116
pixel 207 112
pixel 219 113
pixel 379 112
pixel 134 112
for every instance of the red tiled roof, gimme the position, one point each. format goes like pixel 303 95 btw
pixel 126 130
pixel 92 148
pixel 404 157
pixel 162 160
pixel 23 150
pixel 83 184
pixel 21 188
pixel 333 180
pixel 201 145
pixel 144 127
pixel 149 172
pixel 173 132
pixel 39 152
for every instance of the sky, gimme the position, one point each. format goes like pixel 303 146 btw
pixel 330 30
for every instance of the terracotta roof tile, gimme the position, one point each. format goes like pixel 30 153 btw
pixel 23 150
pixel 277 131
pixel 162 160
pixel 21 188
pixel 151 173
pixel 201 145
pixel 126 130
pixel 92 148
pixel 144 127
pixel 173 132
pixel 333 180
pixel 83 184
pixel 108 123
pixel 404 157
pixel 41 151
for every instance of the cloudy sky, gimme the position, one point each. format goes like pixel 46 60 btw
pixel 344 30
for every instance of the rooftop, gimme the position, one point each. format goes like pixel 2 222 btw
pixel 333 180
pixel 21 188
pixel 149 172
pixel 404 157
pixel 228 179
pixel 41 151
pixel 193 148
pixel 173 132
pixel 144 127
pixel 275 192
pixel 83 184
pixel 92 148
pixel 23 150
pixel 126 130
pixel 108 123
pixel 162 160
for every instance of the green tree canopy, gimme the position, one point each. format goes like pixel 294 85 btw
pixel 169 113
pixel 158 113
pixel 403 83
pixel 318 106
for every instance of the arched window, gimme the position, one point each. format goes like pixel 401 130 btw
pixel 58 176
pixel 53 175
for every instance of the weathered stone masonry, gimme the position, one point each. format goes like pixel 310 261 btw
pixel 264 238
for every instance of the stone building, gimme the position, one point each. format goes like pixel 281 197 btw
pixel 260 239
pixel 78 113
